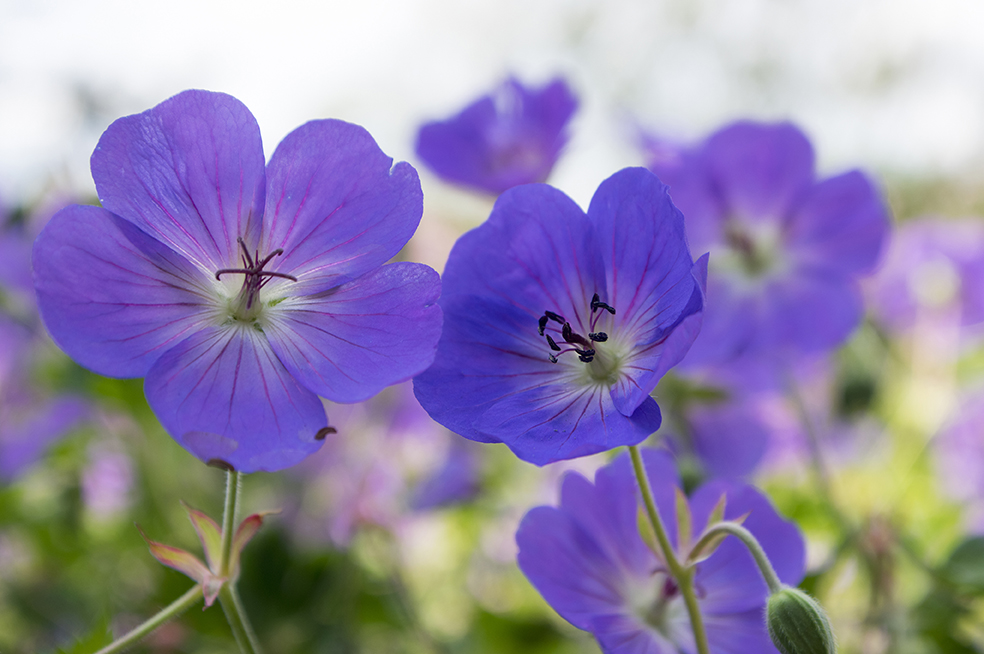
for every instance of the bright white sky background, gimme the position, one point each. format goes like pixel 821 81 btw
pixel 896 86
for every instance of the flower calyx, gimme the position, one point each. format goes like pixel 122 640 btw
pixel 217 572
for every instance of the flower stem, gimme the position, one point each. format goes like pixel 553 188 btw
pixel 754 548
pixel 173 610
pixel 684 577
pixel 235 614
pixel 232 606
pixel 817 463
pixel 233 487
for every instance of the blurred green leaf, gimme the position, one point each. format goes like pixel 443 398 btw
pixel 965 567
pixel 99 637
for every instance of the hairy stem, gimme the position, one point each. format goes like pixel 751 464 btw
pixel 232 606
pixel 173 610
pixel 683 577
pixel 754 548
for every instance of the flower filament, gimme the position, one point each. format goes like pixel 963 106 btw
pixel 584 347
pixel 256 278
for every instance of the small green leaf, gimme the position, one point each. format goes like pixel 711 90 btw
pixel 717 514
pixel 210 535
pixel 647 534
pixel 685 522
pixel 247 529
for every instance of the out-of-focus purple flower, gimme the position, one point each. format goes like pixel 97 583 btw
pixel 933 266
pixel 29 425
pixel 457 479
pixel 349 485
pixel 588 560
pixel 241 291
pixel 107 482
pixel 786 249
pixel 510 137
pixel 558 324
pixel 959 449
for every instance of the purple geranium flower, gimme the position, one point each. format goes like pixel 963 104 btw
pixel 934 267
pixel 512 136
pixel 558 324
pixel 786 250
pixel 241 291
pixel 588 560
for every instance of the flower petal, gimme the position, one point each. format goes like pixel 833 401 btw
pixel 336 204
pixel 651 280
pixel 349 343
pixel 759 169
pixel 808 311
pixel 558 422
pixel 189 172
pixel 536 251
pixel 111 296
pixel 840 226
pixel 224 395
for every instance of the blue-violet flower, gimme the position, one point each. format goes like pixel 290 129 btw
pixel 786 249
pixel 241 291
pixel 559 324
pixel 590 563
pixel 512 136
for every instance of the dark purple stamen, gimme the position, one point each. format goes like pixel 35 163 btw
pixel 596 304
pixel 580 345
pixel 256 277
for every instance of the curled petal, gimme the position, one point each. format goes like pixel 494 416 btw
pixel 349 343
pixel 110 295
pixel 336 204
pixel 652 280
pixel 189 172
pixel 226 398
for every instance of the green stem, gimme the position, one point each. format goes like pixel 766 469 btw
pixel 746 537
pixel 817 463
pixel 233 487
pixel 235 614
pixel 682 576
pixel 176 608
pixel 232 606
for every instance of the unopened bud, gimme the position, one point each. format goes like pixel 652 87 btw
pixel 798 624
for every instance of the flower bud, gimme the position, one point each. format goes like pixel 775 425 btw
pixel 798 624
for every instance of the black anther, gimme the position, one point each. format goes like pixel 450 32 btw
pixel 598 337
pixel 556 317
pixel 543 323
pixel 553 344
pixel 585 359
pixel 596 304
pixel 553 359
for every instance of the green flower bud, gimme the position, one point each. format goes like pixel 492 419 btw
pixel 798 624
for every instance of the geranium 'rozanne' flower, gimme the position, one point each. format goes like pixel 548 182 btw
pixel 240 290
pixel 590 563
pixel 787 250
pixel 558 324
pixel 512 136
